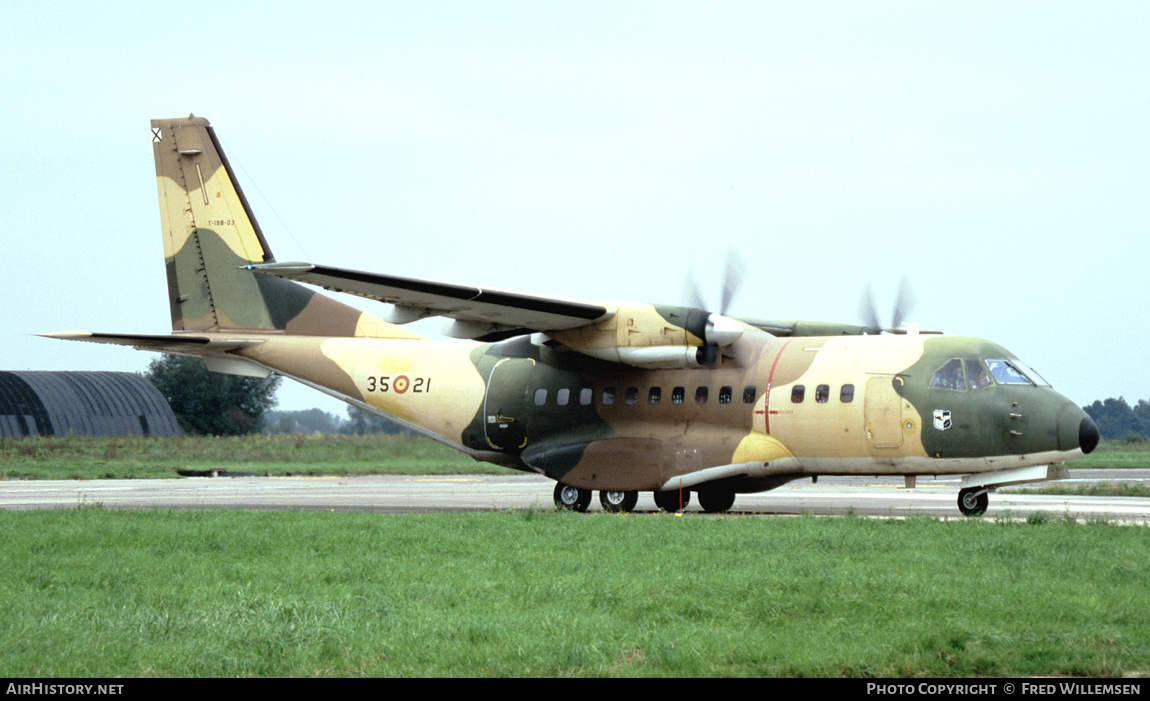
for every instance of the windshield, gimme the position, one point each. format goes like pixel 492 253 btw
pixel 1003 371
pixel 1029 372
pixel 1013 372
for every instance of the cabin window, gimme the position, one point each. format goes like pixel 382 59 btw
pixel 847 394
pixel 950 376
pixel 631 398
pixel 725 395
pixel 608 396
pixel 540 397
pixel 585 396
pixel 798 392
pixel 654 395
pixel 750 394
pixel 563 396
pixel 822 393
pixel 678 395
pixel 701 395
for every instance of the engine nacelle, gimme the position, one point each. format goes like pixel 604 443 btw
pixel 650 336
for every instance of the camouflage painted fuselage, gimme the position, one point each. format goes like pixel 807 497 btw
pixel 783 408
pixel 612 397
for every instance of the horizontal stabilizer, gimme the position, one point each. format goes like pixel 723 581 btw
pixel 162 343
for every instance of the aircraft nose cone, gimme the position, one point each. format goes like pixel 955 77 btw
pixel 1087 435
pixel 1075 429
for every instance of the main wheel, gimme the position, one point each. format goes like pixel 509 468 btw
pixel 618 500
pixel 973 502
pixel 669 500
pixel 716 500
pixel 572 498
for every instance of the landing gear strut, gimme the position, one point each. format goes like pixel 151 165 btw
pixel 572 498
pixel 973 501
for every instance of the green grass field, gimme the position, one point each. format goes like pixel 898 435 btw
pixel 1116 455
pixel 94 592
pixel 127 458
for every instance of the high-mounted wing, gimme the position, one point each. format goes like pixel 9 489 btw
pixel 643 335
pixel 478 313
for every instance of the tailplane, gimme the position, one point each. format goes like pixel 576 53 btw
pixel 210 234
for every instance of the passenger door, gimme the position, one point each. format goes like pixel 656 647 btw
pixel 504 408
pixel 882 411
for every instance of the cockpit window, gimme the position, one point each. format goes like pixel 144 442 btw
pixel 949 376
pixel 977 375
pixel 1006 373
pixel 1029 372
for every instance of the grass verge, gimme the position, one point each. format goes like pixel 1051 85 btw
pixel 127 458
pixel 94 592
pixel 1094 489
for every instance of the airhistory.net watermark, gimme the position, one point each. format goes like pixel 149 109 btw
pixel 48 689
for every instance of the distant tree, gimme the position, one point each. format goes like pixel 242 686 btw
pixel 360 422
pixel 208 403
pixel 304 421
pixel 1142 416
pixel 1117 420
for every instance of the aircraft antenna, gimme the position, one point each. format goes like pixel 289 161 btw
pixel 269 204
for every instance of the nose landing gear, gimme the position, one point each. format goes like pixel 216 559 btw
pixel 973 501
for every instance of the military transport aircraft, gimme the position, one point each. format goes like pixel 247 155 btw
pixel 618 398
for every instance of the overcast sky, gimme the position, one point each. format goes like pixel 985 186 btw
pixel 997 154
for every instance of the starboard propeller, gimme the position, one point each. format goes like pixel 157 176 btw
pixel 719 331
pixel 903 305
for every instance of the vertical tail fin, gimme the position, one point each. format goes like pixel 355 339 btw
pixel 210 233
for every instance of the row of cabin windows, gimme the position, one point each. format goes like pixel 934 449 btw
pixel 654 395
pixel 679 395
pixel 823 394
pixel 563 396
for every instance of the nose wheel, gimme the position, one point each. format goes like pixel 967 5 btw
pixel 973 502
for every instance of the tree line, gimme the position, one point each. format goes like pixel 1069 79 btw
pixel 211 404
pixel 358 422
pixel 1118 421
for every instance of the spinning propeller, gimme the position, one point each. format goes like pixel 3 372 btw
pixel 903 305
pixel 719 331
pixel 733 275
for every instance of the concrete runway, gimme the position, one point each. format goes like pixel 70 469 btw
pixel 411 494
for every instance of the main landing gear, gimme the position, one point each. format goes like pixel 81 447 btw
pixel 669 501
pixel 618 501
pixel 572 498
pixel 578 499
pixel 973 501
